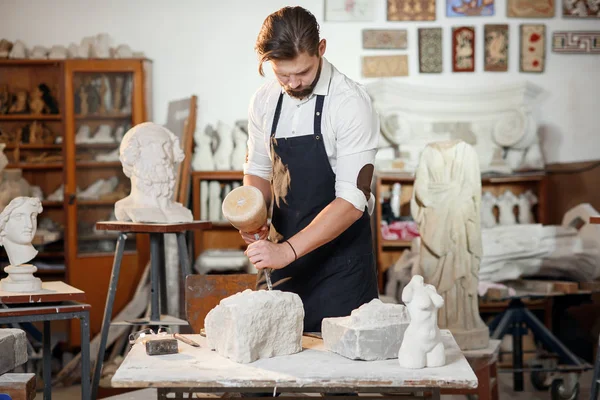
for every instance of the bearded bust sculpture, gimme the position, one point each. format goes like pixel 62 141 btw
pixel 18 224
pixel 149 154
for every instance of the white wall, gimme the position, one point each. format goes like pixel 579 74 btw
pixel 205 47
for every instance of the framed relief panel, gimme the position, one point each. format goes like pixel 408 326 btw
pixel 384 66
pixel 532 48
pixel 582 42
pixel 463 49
pixel 530 8
pixel 384 38
pixel 430 50
pixel 495 48
pixel 581 8
pixel 471 8
pixel 410 10
pixel 349 10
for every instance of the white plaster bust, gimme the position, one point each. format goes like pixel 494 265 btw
pixel 18 223
pixel 149 154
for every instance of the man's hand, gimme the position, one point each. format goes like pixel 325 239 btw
pixel 262 235
pixel 264 254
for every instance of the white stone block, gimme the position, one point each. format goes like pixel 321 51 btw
pixel 251 325
pixel 13 348
pixel 374 331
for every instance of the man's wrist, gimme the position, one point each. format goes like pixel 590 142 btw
pixel 290 252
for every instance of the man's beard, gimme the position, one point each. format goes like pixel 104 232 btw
pixel 155 179
pixel 300 94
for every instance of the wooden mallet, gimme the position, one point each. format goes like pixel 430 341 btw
pixel 245 208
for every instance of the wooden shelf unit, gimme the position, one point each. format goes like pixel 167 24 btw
pixel 388 251
pixel 85 268
pixel 222 235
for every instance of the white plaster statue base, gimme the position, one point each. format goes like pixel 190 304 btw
pixel 374 331
pixel 21 279
pixel 251 325
pixel 422 345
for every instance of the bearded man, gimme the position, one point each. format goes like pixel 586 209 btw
pixel 149 154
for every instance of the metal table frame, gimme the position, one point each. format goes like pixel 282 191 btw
pixel 407 393
pixel 157 279
pixel 59 315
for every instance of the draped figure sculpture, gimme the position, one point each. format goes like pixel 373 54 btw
pixel 446 206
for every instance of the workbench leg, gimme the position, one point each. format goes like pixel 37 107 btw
pixel 549 340
pixel 84 324
pixel 184 258
pixel 47 356
pixel 517 340
pixel 494 380
pixel 483 387
pixel 184 262
pixel 435 393
pixel 110 299
pixel 155 276
pixel 162 270
pixel 162 393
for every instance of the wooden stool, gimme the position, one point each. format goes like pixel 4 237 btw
pixel 484 364
pixel 157 261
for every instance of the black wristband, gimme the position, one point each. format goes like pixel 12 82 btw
pixel 292 247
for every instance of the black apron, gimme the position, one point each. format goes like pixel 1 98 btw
pixel 339 276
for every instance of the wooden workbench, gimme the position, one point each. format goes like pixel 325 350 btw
pixel 314 369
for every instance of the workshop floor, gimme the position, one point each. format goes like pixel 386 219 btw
pixel 506 392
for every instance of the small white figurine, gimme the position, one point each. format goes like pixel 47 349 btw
pixel 19 50
pixel 526 201
pixel 239 151
pixel 39 53
pixel 225 147
pixel 214 201
pixel 149 154
pixel 506 204
pixel 422 344
pixel 18 224
pixel 203 156
pixel 488 202
pixel 58 52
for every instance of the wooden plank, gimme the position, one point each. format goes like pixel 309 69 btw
pixel 204 292
pixel 219 175
pixel 42 310
pixel 55 291
pixel 312 369
pixel 595 220
pixel 18 386
pixel 135 227
pixel 566 287
pixel 184 176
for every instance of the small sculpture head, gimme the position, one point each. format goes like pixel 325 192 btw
pixel 18 220
pixel 149 152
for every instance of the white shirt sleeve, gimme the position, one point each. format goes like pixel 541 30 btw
pixel 258 162
pixel 357 135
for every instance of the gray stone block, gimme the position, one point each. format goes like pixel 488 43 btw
pixel 373 331
pixel 13 349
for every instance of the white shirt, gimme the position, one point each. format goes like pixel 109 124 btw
pixel 350 128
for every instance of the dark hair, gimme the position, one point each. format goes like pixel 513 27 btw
pixel 287 33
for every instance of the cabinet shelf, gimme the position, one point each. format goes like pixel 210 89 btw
pixel 30 117
pixel 35 166
pixel 50 203
pixel 34 146
pixel 218 175
pixel 396 244
pixel 103 116
pixel 87 203
pixel 99 164
pixel 97 145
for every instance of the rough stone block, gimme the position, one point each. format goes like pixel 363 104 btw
pixel 374 331
pixel 13 349
pixel 251 325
